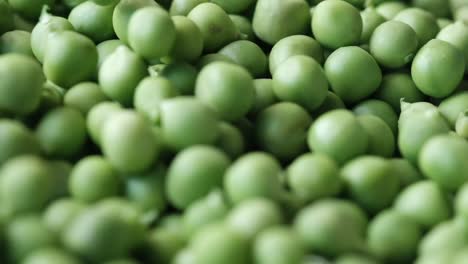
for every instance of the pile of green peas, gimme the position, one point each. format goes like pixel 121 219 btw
pixel 234 131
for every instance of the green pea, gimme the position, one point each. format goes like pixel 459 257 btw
pixel 379 109
pixel 264 95
pixel 215 25
pixel 105 2
pixel 188 44
pixel 16 41
pixel 163 244
pixel 211 58
pixel 120 73
pixel 128 142
pixel 457 35
pixel 348 140
pixel 93 20
pixel 447 236
pixel 278 245
pixel 461 126
pixel 423 23
pixel 231 140
pixel 355 259
pixel 97 116
pixel 234 7
pixel 84 96
pixel 393 237
pixel 452 106
pixel 182 76
pixel 244 26
pixel 461 200
pixel 293 14
pixel 60 213
pixel 353 73
pixel 25 235
pixel 253 175
pixel 435 258
pixel 406 171
pixel 149 94
pixel 51 255
pixel 219 85
pixel 160 29
pixel 6 17
pixel 381 138
pixel 390 9
pixel 248 55
pixel 294 45
pixel 184 256
pixel 397 86
pixel 230 247
pixel 371 19
pixel 183 7
pixel 64 51
pixel 21 81
pixel 293 78
pixel 16 140
pixel 194 173
pixel 424 202
pixel 332 32
pixel 73 3
pixel 123 11
pixel 106 48
pixel 281 129
pixel 439 8
pixel 62 132
pixel 331 227
pixel 331 102
pixel 29 9
pixel 182 114
pixel 417 124
pixel 443 22
pixel 460 256
pixel 51 97
pixel 314 176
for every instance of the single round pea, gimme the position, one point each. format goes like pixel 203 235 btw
pixel 244 26
pixel 278 245
pixel 457 35
pixel 461 125
pixel 220 85
pixel 348 140
pixel 21 81
pixel 60 213
pixel 331 102
pixel 314 176
pixel 253 175
pixel 439 8
pixel 433 80
pixel 123 11
pixel 393 237
pixel 50 255
pixel 448 236
pixel 390 9
pixel 188 44
pixel 93 20
pixel 215 25
pixel 336 24
pixel 211 58
pixel 97 116
pixel 16 140
pixel 120 73
pixel 444 160
pixel 62 132
pixel 407 172
pixel 157 38
pixel 16 41
pixel 397 86
pixel 106 48
pixel 300 79
pixel 248 55
pixel 230 140
pixel 182 114
pixel 371 19
pixel 84 96
pixel 424 202
pixel 452 106
pixel 149 94
pixel 264 95
pixel 422 22
pixel 331 227
pixel 29 9
pixel 381 138
pixel 183 7
pixel 397 51
pixel 353 73
pixel 379 109
pixel 6 17
pixel 182 76
pixel 291 46
pixel 193 173
pixel 65 50
pixel 270 13
pixel 128 142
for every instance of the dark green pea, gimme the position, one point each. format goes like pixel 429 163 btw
pixel 106 48
pixel 159 29
pixel 353 73
pixel 281 129
pixel 234 7
pixel 194 173
pixel 73 3
pixel 6 17
pixel 26 234
pixel 211 58
pixel 390 9
pixel 423 23
pixel 264 95
pixel 188 44
pixel 16 41
pixel 149 94
pixel 120 73
pixel 461 126
pixel 65 50
pixel 220 85
pixel 294 45
pixel 163 244
pixel 348 140
pixel 457 35
pixel 123 11
pixel 21 81
pixel 62 132
pixel 439 8
pixel 182 76
pixel 278 245
pixel 97 116
pixel 51 255
pixel 452 106
pixel 293 14
pixel 60 213
pixel 29 9
pixel 379 109
pixel 16 140
pixel 425 203
pixel 215 25
pixel 398 86
pixel 331 102
pixel 182 114
pixel 22 23
pixel 231 140
pixel 253 175
pixel 406 171
pixel 371 19
pixel 183 7
pixel 244 26
pixel 84 96
pixel 331 227
pixel 248 55
pixel 393 237
pixel 446 237
pixel 300 79
pixel 336 24
pixel 93 20
pixel 381 138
